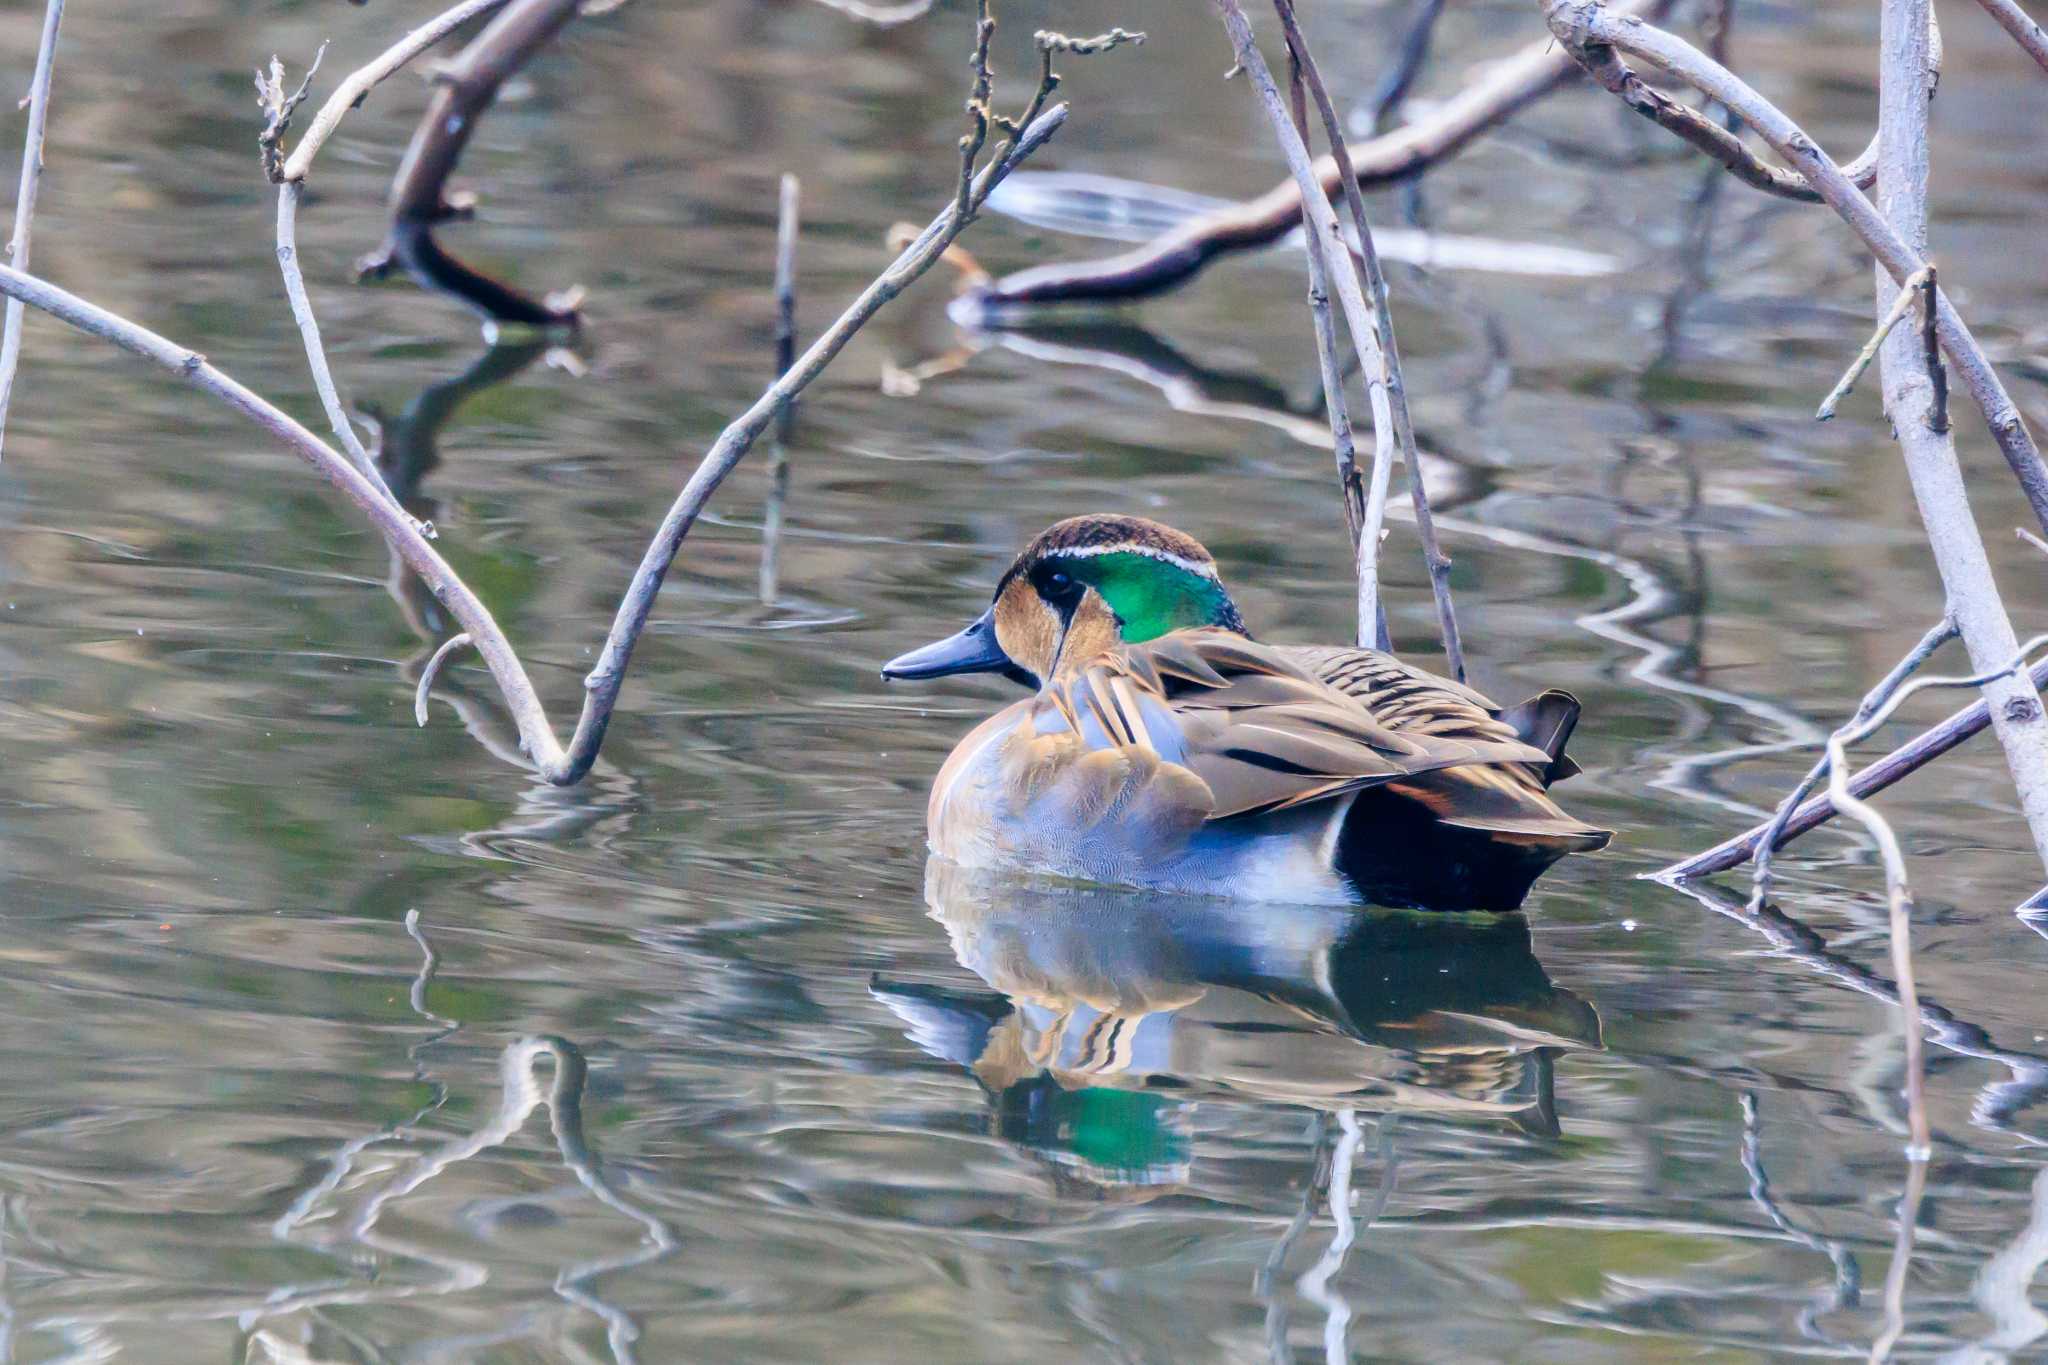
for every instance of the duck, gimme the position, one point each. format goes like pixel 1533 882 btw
pixel 1164 748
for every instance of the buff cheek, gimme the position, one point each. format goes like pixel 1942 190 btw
pixel 1027 628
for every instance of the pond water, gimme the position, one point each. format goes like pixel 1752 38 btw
pixel 330 1038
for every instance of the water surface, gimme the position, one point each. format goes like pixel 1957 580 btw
pixel 334 1039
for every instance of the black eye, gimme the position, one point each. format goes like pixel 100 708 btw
pixel 1059 582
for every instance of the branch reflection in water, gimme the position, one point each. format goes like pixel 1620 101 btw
pixel 408 450
pixel 1114 1012
pixel 520 1095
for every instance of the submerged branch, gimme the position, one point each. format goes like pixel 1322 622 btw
pixel 1506 87
pixel 1903 304
pixel 465 89
pixel 1908 758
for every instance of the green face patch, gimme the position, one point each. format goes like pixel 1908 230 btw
pixel 1152 596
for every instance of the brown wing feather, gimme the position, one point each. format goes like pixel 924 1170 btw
pixel 1262 731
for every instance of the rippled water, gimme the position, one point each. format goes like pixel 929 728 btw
pixel 333 1039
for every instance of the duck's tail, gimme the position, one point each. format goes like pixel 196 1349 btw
pixel 1459 839
pixel 1546 721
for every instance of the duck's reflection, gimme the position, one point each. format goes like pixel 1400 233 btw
pixel 1117 1009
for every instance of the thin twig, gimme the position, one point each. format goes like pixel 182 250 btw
pixel 1908 1216
pixel 1336 406
pixel 1437 562
pixel 425 686
pixel 25 197
pixel 978 97
pixel 785 273
pixel 288 194
pixel 785 353
pixel 352 91
pixel 1898 891
pixel 1939 634
pixel 2025 31
pixel 278 109
pixel 1320 222
pixel 1901 762
pixel 1909 293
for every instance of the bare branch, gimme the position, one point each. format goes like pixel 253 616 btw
pixel 1903 304
pixel 785 354
pixel 288 193
pixel 1433 557
pixel 1939 634
pixel 1336 407
pixel 1901 762
pixel 1320 222
pixel 2024 30
pixel 785 272
pixel 1898 892
pixel 556 763
pixel 278 109
pixel 977 107
pixel 352 91
pixel 432 670
pixel 25 196
pixel 1605 66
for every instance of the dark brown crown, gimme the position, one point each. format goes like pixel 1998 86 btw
pixel 1098 529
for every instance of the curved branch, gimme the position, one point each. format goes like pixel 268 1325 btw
pixel 465 89
pixel 556 763
pixel 1901 762
pixel 390 520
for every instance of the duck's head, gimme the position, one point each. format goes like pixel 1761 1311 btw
pixel 1081 587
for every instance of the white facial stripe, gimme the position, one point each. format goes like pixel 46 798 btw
pixel 1178 561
